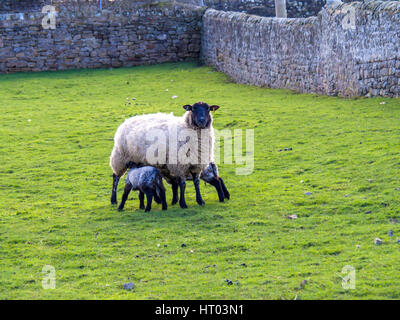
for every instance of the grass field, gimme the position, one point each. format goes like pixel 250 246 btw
pixel 56 137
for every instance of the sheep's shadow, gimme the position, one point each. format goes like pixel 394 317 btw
pixel 133 216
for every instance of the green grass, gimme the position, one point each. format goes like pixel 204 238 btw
pixel 56 131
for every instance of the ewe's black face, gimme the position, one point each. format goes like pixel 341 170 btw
pixel 201 117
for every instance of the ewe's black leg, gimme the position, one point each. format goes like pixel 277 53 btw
pixel 149 196
pixel 196 182
pixel 175 197
pixel 127 190
pixel 182 186
pixel 114 189
pixel 141 199
pixel 224 189
pixel 163 200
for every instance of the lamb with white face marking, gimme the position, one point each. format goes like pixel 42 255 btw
pixel 148 181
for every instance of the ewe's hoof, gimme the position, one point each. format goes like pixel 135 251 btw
pixel 183 206
pixel 120 209
pixel 201 203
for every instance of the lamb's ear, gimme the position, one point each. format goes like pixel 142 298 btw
pixel 188 107
pixel 214 108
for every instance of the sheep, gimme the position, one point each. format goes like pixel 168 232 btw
pixel 135 137
pixel 148 181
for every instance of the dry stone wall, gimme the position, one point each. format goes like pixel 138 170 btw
pixel 319 54
pixel 123 34
pixel 266 8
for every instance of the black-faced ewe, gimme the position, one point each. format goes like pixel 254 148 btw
pixel 148 181
pixel 179 147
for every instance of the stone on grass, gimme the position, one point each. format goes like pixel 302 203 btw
pixel 293 216
pixel 128 286
pixel 378 241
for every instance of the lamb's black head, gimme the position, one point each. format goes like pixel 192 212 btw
pixel 200 113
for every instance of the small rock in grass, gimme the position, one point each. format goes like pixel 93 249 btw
pixel 174 97
pixel 303 283
pixel 293 216
pixel 398 240
pixel 368 212
pixel 165 245
pixel 137 256
pixel 237 282
pixel 370 180
pixel 308 193
pixel 158 245
pixel 390 233
pixel 133 99
pixel 358 246
pixel 183 245
pixel 128 286
pixel 346 195
pixel 244 265
pixel 378 241
pixel 229 282
pixel 383 103
pixel 397 189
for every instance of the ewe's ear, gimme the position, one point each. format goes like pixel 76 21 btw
pixel 188 107
pixel 214 108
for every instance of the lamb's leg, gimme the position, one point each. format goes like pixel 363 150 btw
pixel 157 198
pixel 149 196
pixel 217 184
pixel 127 190
pixel 163 200
pixel 196 182
pixel 182 186
pixel 141 199
pixel 114 189
pixel 175 196
pixel 224 189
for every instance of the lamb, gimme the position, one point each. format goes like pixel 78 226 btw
pixel 135 138
pixel 148 181
pixel 209 175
